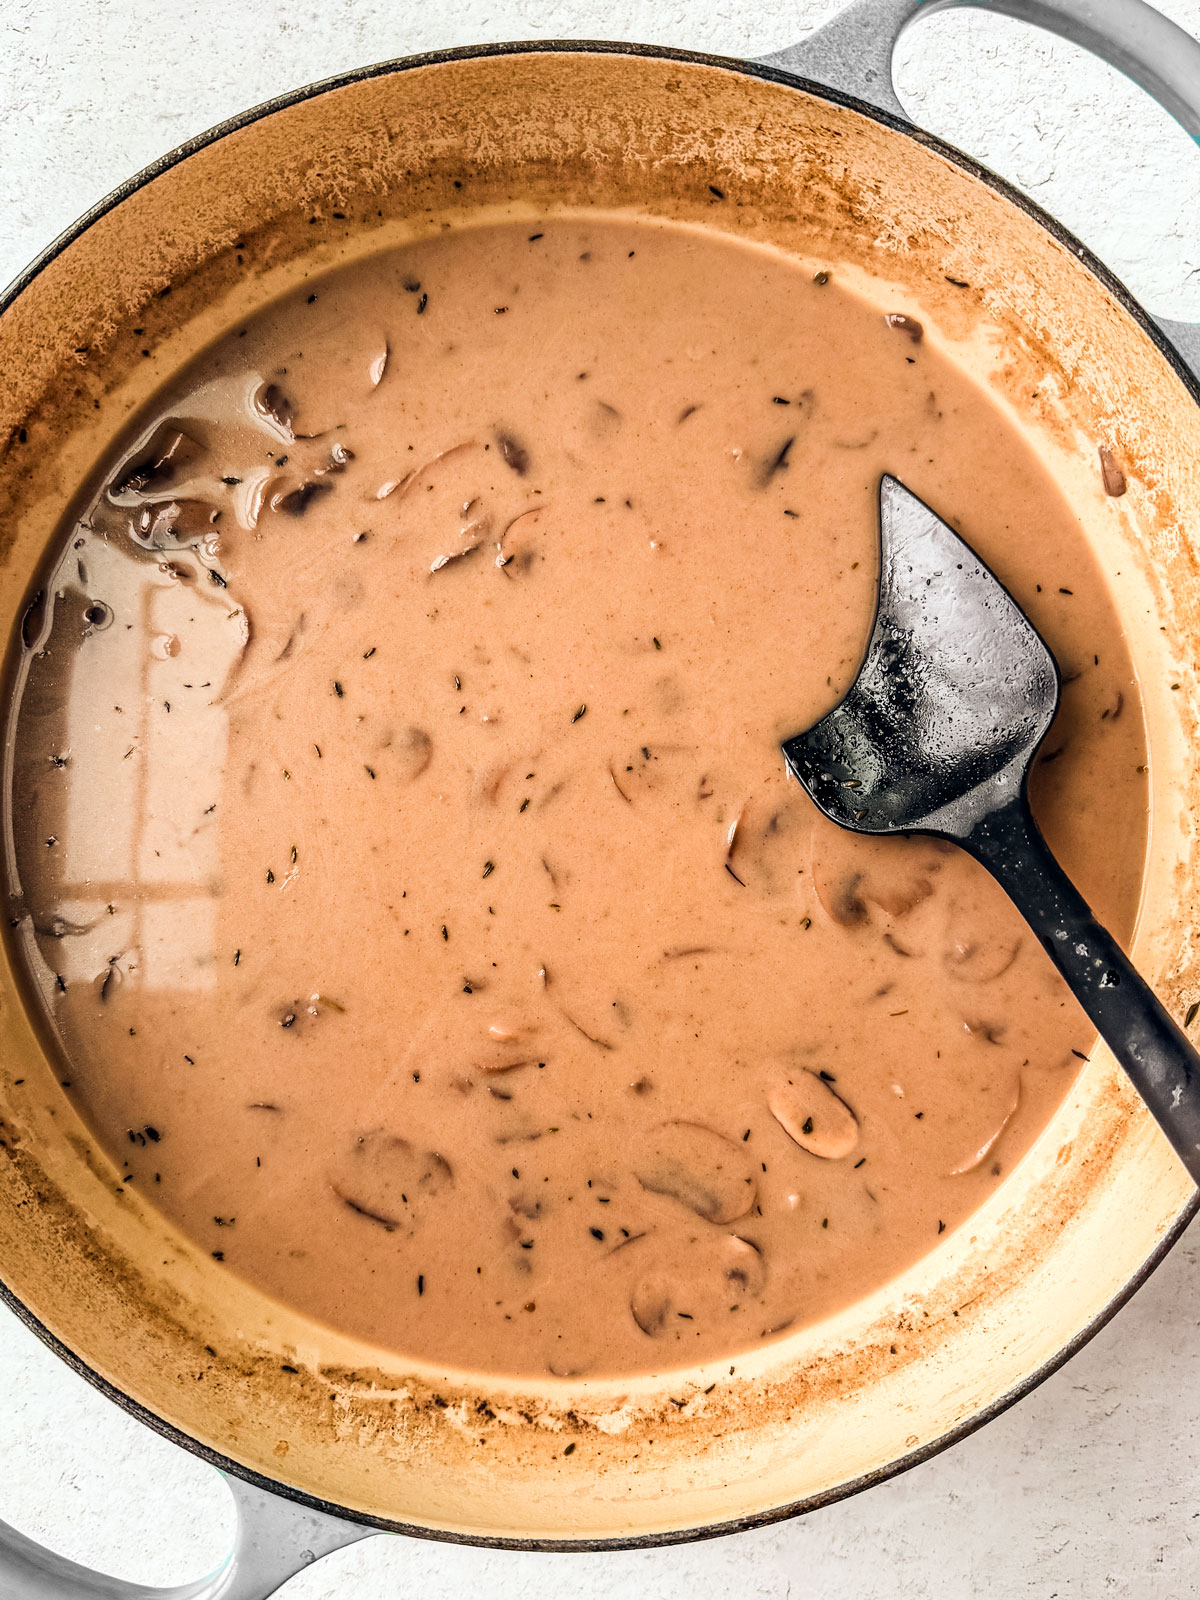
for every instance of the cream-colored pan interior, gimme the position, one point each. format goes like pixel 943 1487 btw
pixel 433 146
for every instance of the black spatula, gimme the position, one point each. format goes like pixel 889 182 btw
pixel 937 734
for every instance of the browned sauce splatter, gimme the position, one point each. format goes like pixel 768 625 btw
pixel 1110 472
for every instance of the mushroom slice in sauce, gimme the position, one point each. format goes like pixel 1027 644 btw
pixel 413 750
pixel 151 472
pixel 975 950
pixel 813 1116
pixel 979 959
pixel 336 369
pixel 700 1168
pixel 856 878
pixel 650 1304
pixel 1001 1107
pixel 766 843
pixel 711 1279
pixel 384 1178
pixel 175 525
pixel 744 1266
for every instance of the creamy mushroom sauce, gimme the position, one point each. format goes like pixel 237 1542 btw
pixel 407 858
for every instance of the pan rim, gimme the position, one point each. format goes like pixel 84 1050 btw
pixel 1116 290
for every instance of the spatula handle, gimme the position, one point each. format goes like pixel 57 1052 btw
pixel 1161 1063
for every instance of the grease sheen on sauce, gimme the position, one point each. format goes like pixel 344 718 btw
pixel 408 860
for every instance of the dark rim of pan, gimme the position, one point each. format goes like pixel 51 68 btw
pixel 1120 294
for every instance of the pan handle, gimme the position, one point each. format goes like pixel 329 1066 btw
pixel 853 52
pixel 275 1539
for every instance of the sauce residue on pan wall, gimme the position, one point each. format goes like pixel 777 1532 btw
pixel 408 859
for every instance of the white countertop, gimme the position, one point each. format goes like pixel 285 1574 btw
pixel 1091 1486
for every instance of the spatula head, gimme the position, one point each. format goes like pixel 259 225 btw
pixel 954 695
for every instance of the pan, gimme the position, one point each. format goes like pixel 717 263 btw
pixel 325 1440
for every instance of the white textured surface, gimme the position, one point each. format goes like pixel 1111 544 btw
pixel 1091 1486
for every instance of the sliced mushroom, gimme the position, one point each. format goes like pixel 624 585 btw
pixel 513 453
pixel 518 544
pixel 984 1142
pixel 980 957
pixel 456 503
pixel 168 457
pixel 175 525
pixel 983 934
pixel 813 1116
pixel 487 779
pixel 469 537
pixel 699 1167
pixel 711 1279
pixel 384 1178
pixel 340 457
pixel 379 365
pixel 857 878
pixel 271 403
pixel 744 1267
pixel 413 749
pixel 527 1205
pixel 650 1304
pixel 343 359
pixel 766 842
pixel 295 502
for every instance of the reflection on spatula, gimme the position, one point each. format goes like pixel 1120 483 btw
pixel 937 734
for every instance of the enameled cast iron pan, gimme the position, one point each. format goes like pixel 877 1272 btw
pixel 825 166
